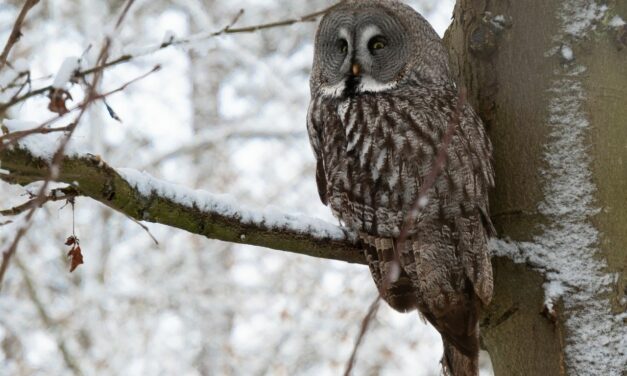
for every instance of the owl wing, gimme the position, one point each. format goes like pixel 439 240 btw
pixel 314 129
pixel 472 156
pixel 442 286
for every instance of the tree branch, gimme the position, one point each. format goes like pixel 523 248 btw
pixel 194 211
pixel 59 194
pixel 174 42
pixel 16 31
pixel 49 323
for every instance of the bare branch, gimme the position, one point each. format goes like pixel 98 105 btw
pixel 221 133
pixel 10 251
pixel 11 138
pixel 174 42
pixel 410 217
pixel 234 20
pixel 16 32
pixel 250 29
pixel 365 323
pixel 49 323
pixel 145 228
pixel 57 159
pixel 127 6
pixel 436 169
pixel 59 194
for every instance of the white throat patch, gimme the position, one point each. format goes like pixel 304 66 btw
pixel 366 84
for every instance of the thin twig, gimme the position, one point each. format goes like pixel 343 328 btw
pixel 23 97
pixel 16 31
pixel 123 14
pixel 14 82
pixel 233 21
pixel 410 217
pixel 10 138
pixel 26 83
pixel 436 169
pixel 101 63
pixel 128 83
pixel 145 229
pixel 251 29
pixel 201 143
pixel 57 158
pixel 174 42
pixel 21 231
pixel 365 323
pixel 55 195
pixel 48 322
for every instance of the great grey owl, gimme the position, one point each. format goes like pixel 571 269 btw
pixel 382 98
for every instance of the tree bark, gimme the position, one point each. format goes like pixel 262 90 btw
pixel 513 56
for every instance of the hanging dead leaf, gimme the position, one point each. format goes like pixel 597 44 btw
pixel 58 97
pixel 75 254
pixel 76 257
pixel 70 240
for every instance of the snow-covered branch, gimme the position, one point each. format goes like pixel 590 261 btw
pixel 145 198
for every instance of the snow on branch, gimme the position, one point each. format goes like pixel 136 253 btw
pixel 145 198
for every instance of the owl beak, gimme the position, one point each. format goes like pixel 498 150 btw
pixel 356 68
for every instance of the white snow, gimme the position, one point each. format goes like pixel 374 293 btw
pixel 567 248
pixel 40 145
pixel 65 72
pixel 579 16
pixel 423 201
pixel 226 205
pixel 499 19
pixel 616 21
pixel 567 53
pixel 499 22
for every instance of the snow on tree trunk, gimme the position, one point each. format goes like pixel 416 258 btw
pixel 550 80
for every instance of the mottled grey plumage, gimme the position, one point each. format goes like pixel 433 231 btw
pixel 382 98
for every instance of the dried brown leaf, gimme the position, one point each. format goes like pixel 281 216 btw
pixel 58 97
pixel 76 256
pixel 70 240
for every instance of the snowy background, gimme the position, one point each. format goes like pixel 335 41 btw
pixel 226 115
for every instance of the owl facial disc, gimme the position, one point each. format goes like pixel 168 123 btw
pixel 363 51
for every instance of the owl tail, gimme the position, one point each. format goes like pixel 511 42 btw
pixel 456 363
pixel 393 283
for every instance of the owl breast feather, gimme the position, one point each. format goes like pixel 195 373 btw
pixel 378 148
pixel 374 161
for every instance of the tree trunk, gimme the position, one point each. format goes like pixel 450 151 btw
pixel 550 80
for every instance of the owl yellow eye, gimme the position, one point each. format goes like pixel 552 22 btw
pixel 342 45
pixel 377 43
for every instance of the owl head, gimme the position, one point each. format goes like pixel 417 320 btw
pixel 366 46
